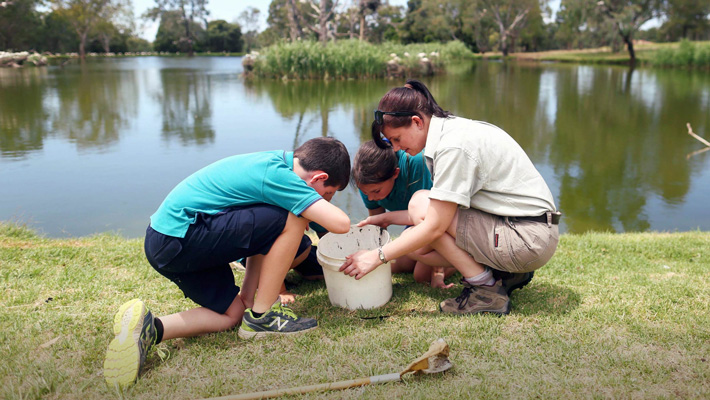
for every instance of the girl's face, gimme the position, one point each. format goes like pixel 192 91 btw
pixel 379 191
pixel 411 139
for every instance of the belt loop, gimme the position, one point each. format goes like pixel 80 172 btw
pixel 549 219
pixel 509 222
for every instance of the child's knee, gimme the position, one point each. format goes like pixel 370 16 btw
pixel 418 205
pixel 422 275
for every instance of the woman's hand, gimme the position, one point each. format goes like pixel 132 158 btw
pixel 361 263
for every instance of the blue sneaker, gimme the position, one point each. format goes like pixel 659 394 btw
pixel 135 334
pixel 279 320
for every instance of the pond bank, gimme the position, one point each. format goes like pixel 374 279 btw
pixel 612 315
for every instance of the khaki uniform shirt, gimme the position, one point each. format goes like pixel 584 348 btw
pixel 478 165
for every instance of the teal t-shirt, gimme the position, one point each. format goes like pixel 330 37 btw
pixel 264 177
pixel 413 176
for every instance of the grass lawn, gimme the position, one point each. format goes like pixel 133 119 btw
pixel 611 316
pixel 645 53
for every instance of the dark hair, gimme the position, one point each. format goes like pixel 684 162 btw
pixel 326 154
pixel 373 164
pixel 412 97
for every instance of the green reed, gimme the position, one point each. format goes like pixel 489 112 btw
pixel 686 54
pixel 350 59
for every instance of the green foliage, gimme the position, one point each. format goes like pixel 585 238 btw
pixel 348 58
pixel 19 25
pixel 686 54
pixel 223 36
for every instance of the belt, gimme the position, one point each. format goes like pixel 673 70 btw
pixel 540 218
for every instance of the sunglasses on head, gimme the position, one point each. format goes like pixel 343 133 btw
pixel 379 115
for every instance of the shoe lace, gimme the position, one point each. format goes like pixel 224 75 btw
pixel 462 299
pixel 162 352
pixel 284 310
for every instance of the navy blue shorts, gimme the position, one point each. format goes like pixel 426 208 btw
pixel 199 263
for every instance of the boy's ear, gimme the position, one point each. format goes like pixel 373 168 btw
pixel 319 176
pixel 396 173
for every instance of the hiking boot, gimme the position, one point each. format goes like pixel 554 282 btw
pixel 135 333
pixel 512 281
pixel 478 299
pixel 279 320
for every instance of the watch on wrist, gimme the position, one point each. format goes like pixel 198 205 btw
pixel 382 255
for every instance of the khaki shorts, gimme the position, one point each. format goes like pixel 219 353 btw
pixel 520 246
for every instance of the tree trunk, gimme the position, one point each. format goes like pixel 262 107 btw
pixel 82 44
pixel 294 27
pixel 630 46
pixel 106 42
pixel 323 22
pixel 504 42
pixel 188 35
pixel 362 27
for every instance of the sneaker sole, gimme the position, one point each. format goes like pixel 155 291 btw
pixel 122 363
pixel 244 334
pixel 520 285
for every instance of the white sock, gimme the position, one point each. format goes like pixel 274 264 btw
pixel 485 278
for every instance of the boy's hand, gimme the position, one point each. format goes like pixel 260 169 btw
pixel 361 263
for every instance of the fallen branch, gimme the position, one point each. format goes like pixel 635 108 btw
pixel 690 132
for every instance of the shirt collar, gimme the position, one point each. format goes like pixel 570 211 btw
pixel 436 127
pixel 288 157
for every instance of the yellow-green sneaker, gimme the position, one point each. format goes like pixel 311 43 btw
pixel 279 320
pixel 135 333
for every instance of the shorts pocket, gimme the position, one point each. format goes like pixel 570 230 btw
pixel 529 245
pixel 167 252
pixel 502 247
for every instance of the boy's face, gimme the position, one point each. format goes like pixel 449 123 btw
pixel 326 192
pixel 316 180
pixel 379 191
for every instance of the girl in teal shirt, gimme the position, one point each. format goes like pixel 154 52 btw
pixel 387 180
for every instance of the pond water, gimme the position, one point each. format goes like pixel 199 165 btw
pixel 96 147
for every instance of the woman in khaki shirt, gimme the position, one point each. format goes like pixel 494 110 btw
pixel 489 214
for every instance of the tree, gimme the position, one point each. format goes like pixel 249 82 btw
pixel 84 15
pixel 366 7
pixel 191 13
pixel 627 16
pixel 687 19
pixel 171 31
pixel 510 16
pixel 223 36
pixel 19 23
pixel 249 20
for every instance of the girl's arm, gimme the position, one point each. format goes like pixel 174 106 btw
pixel 386 219
pixel 438 218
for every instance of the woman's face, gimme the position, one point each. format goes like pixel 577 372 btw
pixel 410 138
pixel 379 191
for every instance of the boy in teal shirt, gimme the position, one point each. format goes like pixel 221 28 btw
pixel 253 205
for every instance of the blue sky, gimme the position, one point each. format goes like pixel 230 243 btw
pixel 229 10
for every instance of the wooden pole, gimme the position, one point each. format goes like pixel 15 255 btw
pixel 690 132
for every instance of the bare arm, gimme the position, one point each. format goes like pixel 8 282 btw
pixel 328 216
pixel 438 218
pixel 386 219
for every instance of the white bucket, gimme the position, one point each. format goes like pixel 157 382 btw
pixel 371 291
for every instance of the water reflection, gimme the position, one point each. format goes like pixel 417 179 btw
pixel 23 117
pixel 611 142
pixel 185 96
